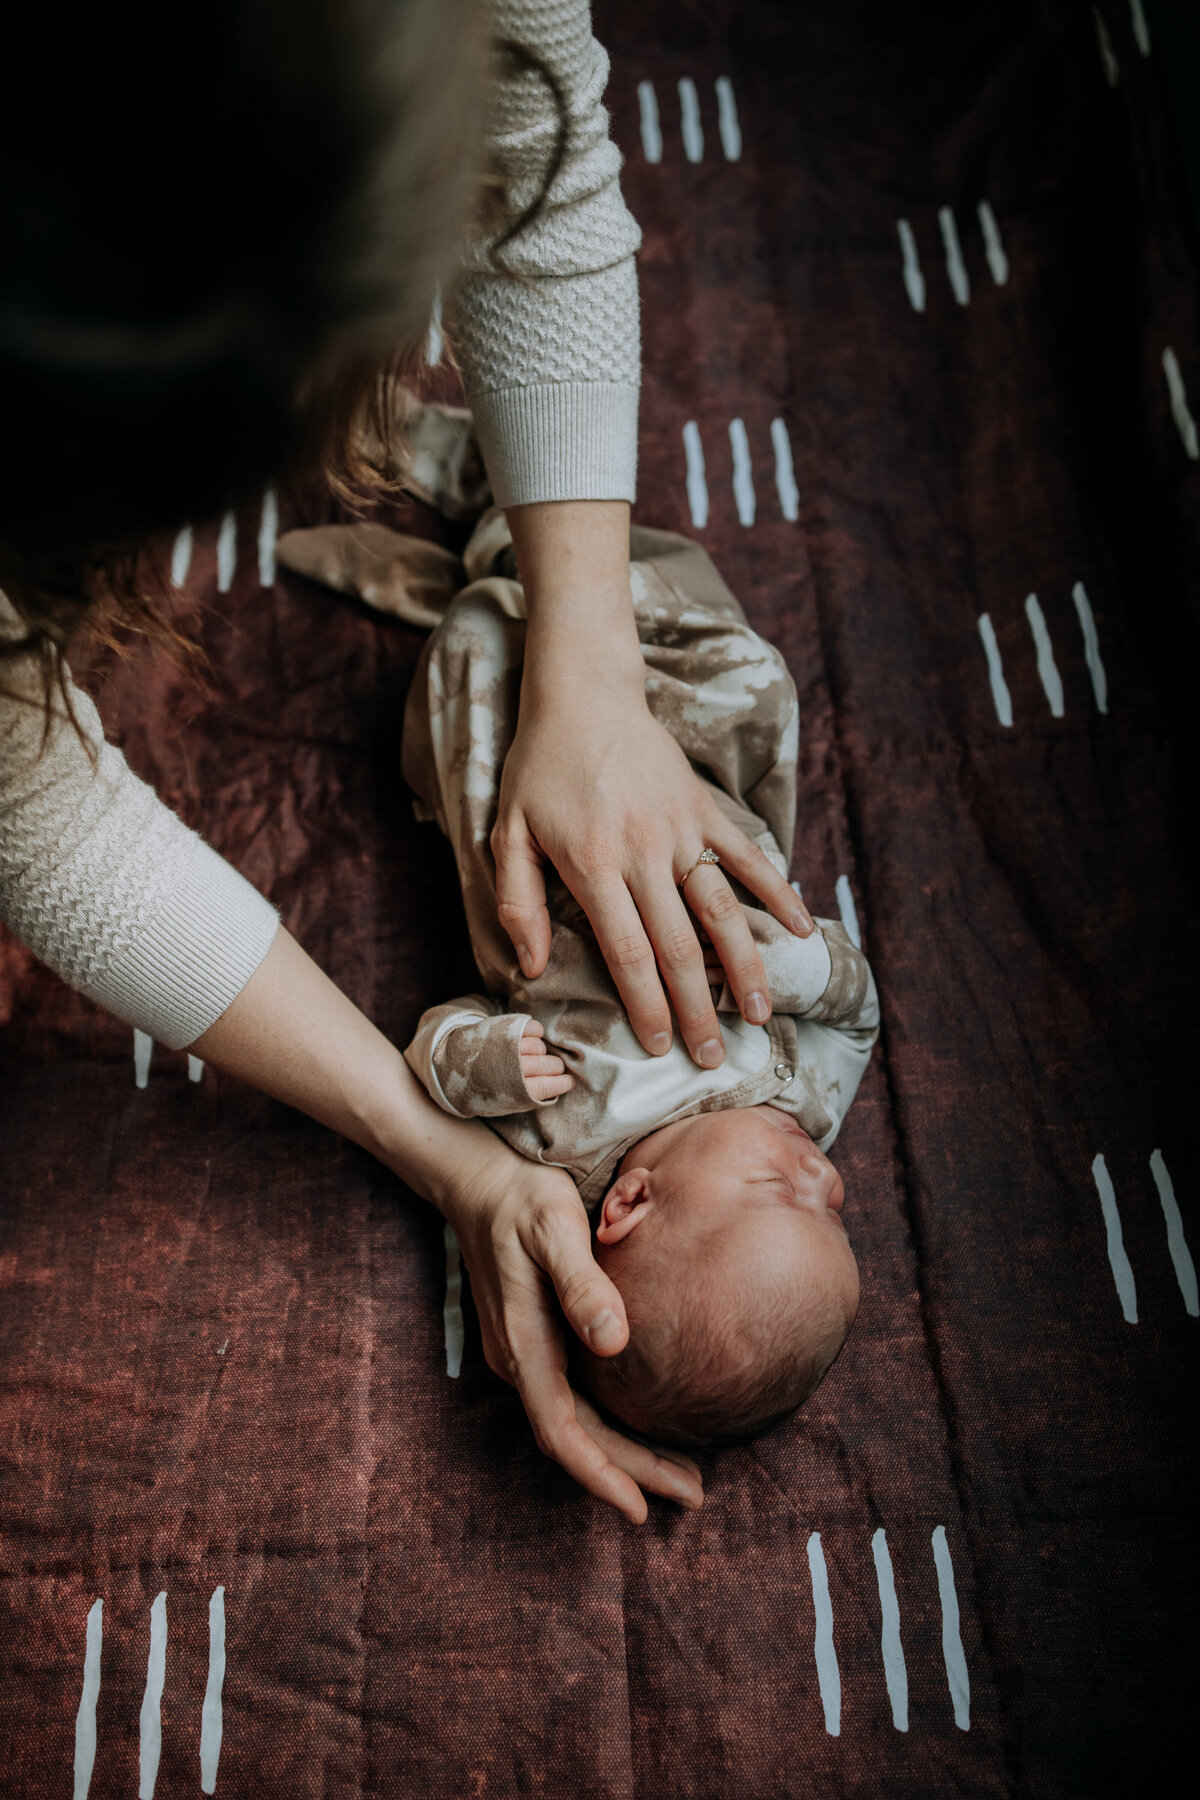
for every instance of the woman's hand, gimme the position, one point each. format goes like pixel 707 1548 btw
pixel 596 787
pixel 526 1244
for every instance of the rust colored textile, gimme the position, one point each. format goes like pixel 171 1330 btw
pixel 222 1352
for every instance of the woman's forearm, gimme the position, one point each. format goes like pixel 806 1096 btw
pixel 573 556
pixel 292 1033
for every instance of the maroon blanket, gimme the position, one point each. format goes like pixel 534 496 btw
pixel 919 291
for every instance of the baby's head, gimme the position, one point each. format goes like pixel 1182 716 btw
pixel 723 1233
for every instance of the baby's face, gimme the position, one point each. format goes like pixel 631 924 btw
pixel 750 1180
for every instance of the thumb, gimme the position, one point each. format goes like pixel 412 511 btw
pixel 590 1302
pixel 521 894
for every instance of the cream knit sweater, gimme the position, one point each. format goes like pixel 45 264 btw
pixel 103 881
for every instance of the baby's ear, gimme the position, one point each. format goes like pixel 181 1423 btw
pixel 625 1205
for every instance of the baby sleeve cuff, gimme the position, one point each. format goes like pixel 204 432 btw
pixel 478 1067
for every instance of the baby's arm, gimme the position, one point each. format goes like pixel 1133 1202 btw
pixel 479 1063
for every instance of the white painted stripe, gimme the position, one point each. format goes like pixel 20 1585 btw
pixel 828 1678
pixel 85 1718
pixel 743 474
pixel 914 281
pixel 728 123
pixel 1141 30
pixel 226 552
pixel 846 907
pixel 1181 1256
pixel 143 1050
pixel 1091 646
pixel 1118 1262
pixel 651 128
pixel 785 474
pixel 452 1317
pixel 181 557
pixel 150 1748
pixel 952 1650
pixel 689 120
pixel 993 244
pixel 195 1069
pixel 991 649
pixel 210 1714
pixel 955 267
pixel 895 1673
pixel 1047 668
pixel 1182 412
pixel 697 487
pixel 268 531
pixel 1112 68
pixel 435 341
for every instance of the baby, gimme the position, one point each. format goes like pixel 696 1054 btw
pixel 715 1209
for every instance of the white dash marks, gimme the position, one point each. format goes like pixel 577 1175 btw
pixel 1141 30
pixel 143 1050
pixel 268 532
pixel 743 475
pixel 652 143
pixel 181 557
pixel 452 1315
pixel 1108 56
pixel 226 552
pixel 1047 668
pixel 955 267
pixel 689 120
pixel 1091 646
pixel 697 486
pixel 210 1714
pixel 728 123
pixel 1118 1262
pixel 435 341
pixel 195 1068
pixel 1181 1256
pixel 914 281
pixel 993 244
pixel 150 1729
pixel 847 910
pixel 85 1718
pixel 785 474
pixel 956 1663
pixel 828 1677
pixel 1181 411
pixel 895 1672
pixel 1001 697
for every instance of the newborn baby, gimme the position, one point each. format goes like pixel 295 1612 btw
pixel 715 1209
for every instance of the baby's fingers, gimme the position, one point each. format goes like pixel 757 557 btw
pixel 549 1087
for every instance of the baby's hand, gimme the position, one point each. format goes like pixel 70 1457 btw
pixel 545 1076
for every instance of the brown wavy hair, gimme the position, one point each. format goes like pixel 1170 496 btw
pixel 194 302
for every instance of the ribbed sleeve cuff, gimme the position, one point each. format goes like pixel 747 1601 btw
pixel 194 956
pixel 565 440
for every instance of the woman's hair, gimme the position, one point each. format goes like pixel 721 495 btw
pixel 215 260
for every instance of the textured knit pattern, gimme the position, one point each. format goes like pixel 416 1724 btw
pixel 105 884
pixel 570 319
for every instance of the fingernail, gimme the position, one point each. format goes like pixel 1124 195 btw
pixel 801 922
pixel 757 1009
pixel 603 1330
pixel 711 1054
pixel 660 1043
pixel 523 957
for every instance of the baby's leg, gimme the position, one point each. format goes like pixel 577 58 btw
pixel 459 722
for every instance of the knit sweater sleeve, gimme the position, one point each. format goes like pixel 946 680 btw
pixel 550 353
pixel 105 883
